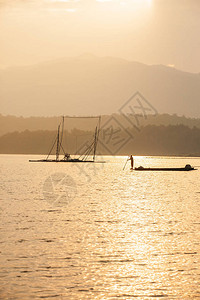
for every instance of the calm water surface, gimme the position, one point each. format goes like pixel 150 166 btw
pixel 94 231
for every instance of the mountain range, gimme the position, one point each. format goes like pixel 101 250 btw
pixel 90 85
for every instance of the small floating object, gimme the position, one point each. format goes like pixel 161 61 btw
pixel 186 168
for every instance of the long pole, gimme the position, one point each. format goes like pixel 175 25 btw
pixel 95 143
pixel 61 138
pixel 125 164
pixel 58 144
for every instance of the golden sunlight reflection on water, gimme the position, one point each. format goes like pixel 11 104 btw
pixel 122 234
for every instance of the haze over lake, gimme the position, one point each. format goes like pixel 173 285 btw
pixel 95 79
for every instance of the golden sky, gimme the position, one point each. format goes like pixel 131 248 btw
pixel 148 31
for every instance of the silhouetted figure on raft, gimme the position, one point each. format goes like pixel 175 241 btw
pixel 67 157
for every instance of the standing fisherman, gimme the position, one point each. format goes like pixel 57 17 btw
pixel 132 160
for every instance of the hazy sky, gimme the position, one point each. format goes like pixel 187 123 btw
pixel 149 31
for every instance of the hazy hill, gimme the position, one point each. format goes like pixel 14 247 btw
pixel 92 85
pixel 151 140
pixel 13 123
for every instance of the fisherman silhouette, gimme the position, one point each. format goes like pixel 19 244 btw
pixel 132 160
pixel 67 156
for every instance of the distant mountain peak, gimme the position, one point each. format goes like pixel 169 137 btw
pixel 93 85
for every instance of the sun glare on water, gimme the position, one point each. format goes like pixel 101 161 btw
pixel 116 7
pixel 133 3
pixel 139 2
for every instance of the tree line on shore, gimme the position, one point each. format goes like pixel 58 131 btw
pixel 178 140
pixel 13 123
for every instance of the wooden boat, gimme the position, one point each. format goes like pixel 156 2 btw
pixel 90 150
pixel 186 168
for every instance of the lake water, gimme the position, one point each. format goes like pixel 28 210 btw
pixel 94 231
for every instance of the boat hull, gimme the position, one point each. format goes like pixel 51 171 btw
pixel 164 169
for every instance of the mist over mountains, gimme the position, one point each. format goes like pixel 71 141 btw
pixel 9 124
pixel 172 140
pixel 89 85
pixel 159 134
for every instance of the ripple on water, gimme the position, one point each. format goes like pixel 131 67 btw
pixel 126 235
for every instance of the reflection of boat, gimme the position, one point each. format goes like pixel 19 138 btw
pixel 89 151
pixel 186 168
